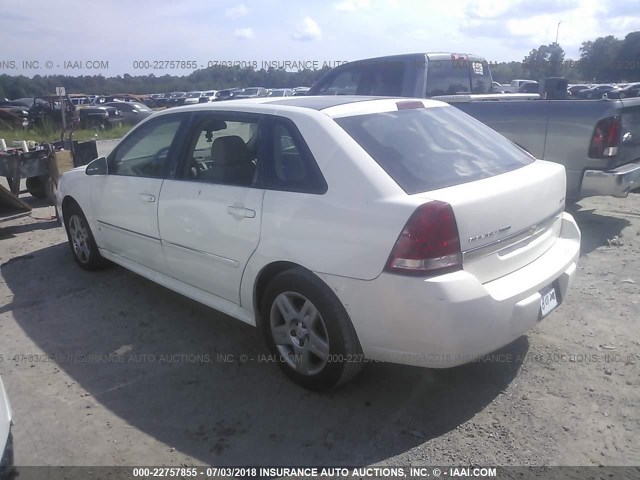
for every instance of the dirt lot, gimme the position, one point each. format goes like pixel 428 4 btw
pixel 138 375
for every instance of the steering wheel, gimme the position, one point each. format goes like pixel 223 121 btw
pixel 197 168
pixel 159 160
pixel 160 156
pixel 155 166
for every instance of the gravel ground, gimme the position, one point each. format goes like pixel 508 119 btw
pixel 143 376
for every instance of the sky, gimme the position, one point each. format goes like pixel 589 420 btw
pixel 115 37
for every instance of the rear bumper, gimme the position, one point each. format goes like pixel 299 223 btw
pixel 453 319
pixel 616 183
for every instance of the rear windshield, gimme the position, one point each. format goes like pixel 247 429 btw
pixel 451 77
pixel 425 149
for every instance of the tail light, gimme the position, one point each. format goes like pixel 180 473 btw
pixel 606 138
pixel 429 243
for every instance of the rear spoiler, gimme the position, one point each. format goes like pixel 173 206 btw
pixel 485 97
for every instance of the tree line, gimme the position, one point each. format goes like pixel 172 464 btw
pixel 214 78
pixel 605 59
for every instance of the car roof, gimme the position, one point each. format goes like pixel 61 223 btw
pixel 331 105
pixel 430 55
pixel 321 102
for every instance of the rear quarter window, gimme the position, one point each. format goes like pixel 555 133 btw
pixel 426 149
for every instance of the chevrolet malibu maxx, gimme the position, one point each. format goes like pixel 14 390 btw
pixel 345 228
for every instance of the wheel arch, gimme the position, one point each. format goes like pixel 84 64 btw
pixel 265 275
pixel 67 201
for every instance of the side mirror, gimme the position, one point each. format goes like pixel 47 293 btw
pixel 97 167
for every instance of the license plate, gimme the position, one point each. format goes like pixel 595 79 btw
pixel 548 301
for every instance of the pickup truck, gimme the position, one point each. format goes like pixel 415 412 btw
pixel 598 141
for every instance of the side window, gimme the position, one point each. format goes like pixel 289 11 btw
pixel 145 153
pixel 344 83
pixel 386 79
pixel 223 151
pixel 292 166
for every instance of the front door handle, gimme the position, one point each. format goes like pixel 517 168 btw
pixel 240 212
pixel 146 197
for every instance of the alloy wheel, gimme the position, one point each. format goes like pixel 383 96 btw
pixel 79 238
pixel 299 333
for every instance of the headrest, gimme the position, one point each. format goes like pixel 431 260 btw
pixel 229 150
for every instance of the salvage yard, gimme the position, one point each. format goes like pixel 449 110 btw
pixel 109 368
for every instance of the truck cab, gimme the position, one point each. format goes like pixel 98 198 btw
pixel 421 74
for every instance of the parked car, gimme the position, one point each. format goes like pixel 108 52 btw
pixel 120 97
pixel 300 91
pixel 575 89
pixel 227 94
pixel 498 87
pixel 631 90
pixel 48 109
pixel 13 116
pixel 595 92
pixel 162 99
pixel 131 112
pixel 432 241
pixel 80 100
pixel 529 87
pixel 593 140
pixel 192 98
pixel 252 92
pixel 101 118
pixel 280 92
pixel 514 86
pixel 208 96
pixel 176 99
pixel 7 469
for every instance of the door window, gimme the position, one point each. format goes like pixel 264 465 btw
pixel 145 153
pixel 344 83
pixel 223 151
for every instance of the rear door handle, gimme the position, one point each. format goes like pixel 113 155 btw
pixel 146 197
pixel 240 212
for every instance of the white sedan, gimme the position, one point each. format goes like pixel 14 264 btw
pixel 348 229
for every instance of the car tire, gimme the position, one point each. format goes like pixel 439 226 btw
pixel 309 332
pixel 83 246
pixel 37 186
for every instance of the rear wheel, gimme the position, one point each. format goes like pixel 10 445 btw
pixel 309 331
pixel 83 246
pixel 40 187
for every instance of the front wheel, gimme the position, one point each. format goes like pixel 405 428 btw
pixel 83 246
pixel 309 331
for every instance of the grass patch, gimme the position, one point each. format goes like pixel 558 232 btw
pixel 47 134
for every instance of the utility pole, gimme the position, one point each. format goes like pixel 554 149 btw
pixel 558 31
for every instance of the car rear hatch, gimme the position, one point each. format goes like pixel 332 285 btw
pixel 507 221
pixel 506 204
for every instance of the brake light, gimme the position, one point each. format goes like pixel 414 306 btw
pixel 429 243
pixel 606 138
pixel 459 57
pixel 409 104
